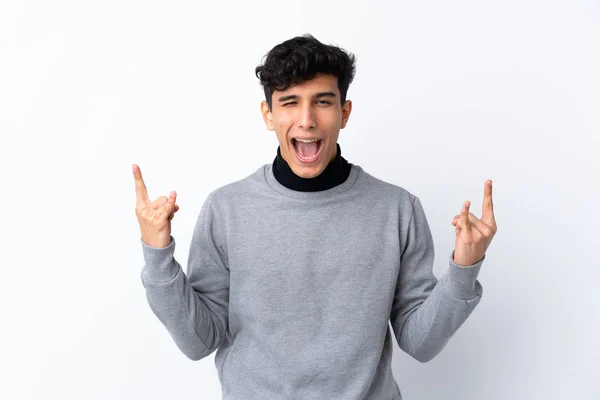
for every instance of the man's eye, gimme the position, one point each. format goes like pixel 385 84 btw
pixel 324 102
pixel 287 104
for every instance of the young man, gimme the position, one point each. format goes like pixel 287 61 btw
pixel 295 272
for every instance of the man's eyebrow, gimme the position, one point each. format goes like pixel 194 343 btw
pixel 295 97
pixel 288 97
pixel 325 94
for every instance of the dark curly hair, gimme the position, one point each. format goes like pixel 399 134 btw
pixel 300 59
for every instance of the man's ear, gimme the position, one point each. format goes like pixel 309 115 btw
pixel 267 115
pixel 346 110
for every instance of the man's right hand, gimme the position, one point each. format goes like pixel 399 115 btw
pixel 154 217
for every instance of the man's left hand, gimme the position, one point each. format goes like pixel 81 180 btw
pixel 474 235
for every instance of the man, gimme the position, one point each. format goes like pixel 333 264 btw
pixel 295 271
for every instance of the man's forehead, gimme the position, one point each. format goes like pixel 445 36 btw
pixel 310 88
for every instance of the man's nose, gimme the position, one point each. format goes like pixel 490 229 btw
pixel 307 118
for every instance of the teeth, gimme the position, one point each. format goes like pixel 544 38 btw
pixel 307 141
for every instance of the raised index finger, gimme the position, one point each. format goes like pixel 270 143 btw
pixel 488 205
pixel 141 193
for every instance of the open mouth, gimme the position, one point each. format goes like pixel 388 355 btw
pixel 307 150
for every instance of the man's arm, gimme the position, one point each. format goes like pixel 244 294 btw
pixel 193 308
pixel 427 312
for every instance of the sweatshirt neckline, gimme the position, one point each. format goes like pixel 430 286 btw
pixel 322 194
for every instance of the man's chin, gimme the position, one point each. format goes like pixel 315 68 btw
pixel 307 172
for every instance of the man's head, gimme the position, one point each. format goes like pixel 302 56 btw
pixel 305 84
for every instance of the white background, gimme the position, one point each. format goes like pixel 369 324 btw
pixel 447 94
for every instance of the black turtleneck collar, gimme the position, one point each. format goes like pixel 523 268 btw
pixel 336 172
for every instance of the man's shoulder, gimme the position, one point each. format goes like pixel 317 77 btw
pixel 380 187
pixel 237 189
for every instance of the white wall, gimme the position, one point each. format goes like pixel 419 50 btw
pixel 447 94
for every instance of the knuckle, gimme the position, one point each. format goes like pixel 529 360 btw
pixel 157 219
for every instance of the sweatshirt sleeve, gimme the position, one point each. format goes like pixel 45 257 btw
pixel 192 307
pixel 427 312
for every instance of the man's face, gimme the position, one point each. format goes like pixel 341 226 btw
pixel 303 113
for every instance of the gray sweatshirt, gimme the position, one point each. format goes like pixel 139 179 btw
pixel 296 290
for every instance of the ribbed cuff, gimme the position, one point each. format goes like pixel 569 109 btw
pixel 461 282
pixel 160 264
